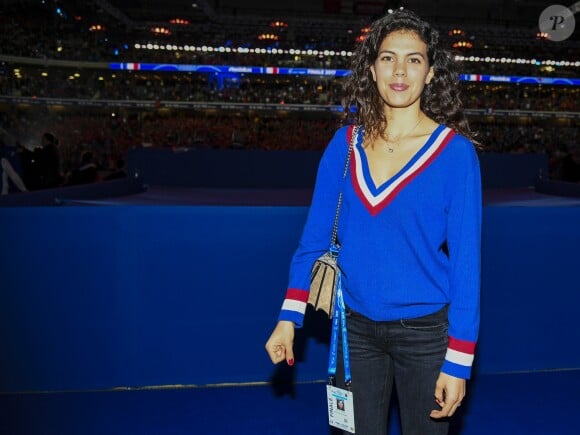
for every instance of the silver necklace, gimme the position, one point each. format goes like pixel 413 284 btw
pixel 394 143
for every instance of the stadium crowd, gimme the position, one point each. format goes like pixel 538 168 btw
pixel 97 130
pixel 250 88
pixel 39 33
pixel 108 137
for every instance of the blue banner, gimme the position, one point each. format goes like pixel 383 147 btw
pixel 229 69
pixel 274 70
pixel 520 79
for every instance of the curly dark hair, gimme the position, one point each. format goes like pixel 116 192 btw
pixel 440 99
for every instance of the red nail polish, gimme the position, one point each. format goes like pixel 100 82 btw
pixel 291 362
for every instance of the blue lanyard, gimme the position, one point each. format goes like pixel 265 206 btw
pixel 339 321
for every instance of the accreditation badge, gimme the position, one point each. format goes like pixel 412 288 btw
pixel 340 408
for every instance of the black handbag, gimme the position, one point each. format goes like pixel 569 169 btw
pixel 325 272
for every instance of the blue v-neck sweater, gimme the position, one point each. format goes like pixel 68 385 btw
pixel 408 247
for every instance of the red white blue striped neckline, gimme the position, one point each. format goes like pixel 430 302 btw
pixel 375 198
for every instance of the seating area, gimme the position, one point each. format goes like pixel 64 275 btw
pixel 56 72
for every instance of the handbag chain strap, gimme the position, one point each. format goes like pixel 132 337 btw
pixel 333 244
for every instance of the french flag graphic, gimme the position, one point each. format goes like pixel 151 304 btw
pixel 376 202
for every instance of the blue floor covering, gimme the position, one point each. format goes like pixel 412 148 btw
pixel 538 403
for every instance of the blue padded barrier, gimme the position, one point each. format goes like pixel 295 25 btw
pixel 101 297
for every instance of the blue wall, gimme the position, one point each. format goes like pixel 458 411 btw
pixel 297 169
pixel 530 289
pixel 101 297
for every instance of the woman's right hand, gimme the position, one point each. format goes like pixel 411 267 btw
pixel 280 344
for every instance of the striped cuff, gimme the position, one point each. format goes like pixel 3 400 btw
pixel 459 358
pixel 294 306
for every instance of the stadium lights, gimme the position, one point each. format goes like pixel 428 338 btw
pixel 268 37
pixel 462 44
pixel 343 53
pixel 159 30
pixel 456 32
pixel 179 21
pixel 363 34
pixel 535 62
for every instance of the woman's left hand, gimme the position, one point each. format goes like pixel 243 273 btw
pixel 449 392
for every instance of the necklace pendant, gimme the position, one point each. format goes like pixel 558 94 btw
pixel 390 149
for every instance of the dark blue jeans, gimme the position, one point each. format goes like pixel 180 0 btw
pixel 407 353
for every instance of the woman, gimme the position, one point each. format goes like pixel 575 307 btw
pixel 409 232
